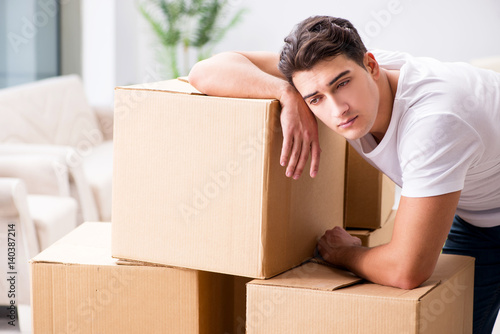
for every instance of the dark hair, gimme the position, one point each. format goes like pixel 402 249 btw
pixel 318 38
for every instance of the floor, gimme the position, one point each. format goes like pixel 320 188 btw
pixel 5 328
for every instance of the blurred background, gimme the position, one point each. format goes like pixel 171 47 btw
pixel 61 130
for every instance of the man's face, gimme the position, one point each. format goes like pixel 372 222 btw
pixel 342 94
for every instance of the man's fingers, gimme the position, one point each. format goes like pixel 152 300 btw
pixel 294 157
pixel 286 150
pixel 304 155
pixel 315 156
pixel 323 248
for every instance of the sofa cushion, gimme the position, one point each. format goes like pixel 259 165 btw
pixel 50 111
pixel 98 170
pixel 54 217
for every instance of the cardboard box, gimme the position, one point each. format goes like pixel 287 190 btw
pixel 369 194
pixel 239 304
pixel 380 236
pixel 197 183
pixel 318 299
pixel 77 287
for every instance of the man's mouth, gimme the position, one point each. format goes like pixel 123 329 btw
pixel 348 123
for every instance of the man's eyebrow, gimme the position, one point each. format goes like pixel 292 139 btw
pixel 329 84
pixel 338 77
pixel 309 95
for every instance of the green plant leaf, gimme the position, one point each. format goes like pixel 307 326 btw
pixel 184 24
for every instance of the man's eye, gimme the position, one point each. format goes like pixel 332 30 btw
pixel 343 83
pixel 313 100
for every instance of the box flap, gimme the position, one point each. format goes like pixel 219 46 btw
pixel 180 86
pixel 316 276
pixel 382 291
pixel 89 243
pixel 312 276
pixel 129 262
pixel 360 233
pixel 449 264
pixel 174 85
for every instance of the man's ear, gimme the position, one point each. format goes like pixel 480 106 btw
pixel 371 65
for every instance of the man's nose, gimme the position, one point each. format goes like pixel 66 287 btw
pixel 339 108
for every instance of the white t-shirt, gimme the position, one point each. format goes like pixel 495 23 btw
pixel 444 134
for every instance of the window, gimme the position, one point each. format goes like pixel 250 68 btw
pixel 29 41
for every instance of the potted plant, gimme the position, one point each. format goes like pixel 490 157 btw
pixel 185 25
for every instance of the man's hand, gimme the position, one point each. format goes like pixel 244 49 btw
pixel 222 75
pixel 420 230
pixel 333 242
pixel 300 135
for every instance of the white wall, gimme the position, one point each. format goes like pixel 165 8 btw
pixel 98 51
pixel 450 30
pixel 446 29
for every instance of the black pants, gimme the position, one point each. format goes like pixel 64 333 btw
pixel 484 245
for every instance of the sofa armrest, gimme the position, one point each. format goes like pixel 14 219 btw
pixel 39 172
pixel 105 120
pixel 16 226
pixel 14 208
pixel 67 164
pixel 490 63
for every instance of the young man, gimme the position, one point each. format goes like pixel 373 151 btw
pixel 433 128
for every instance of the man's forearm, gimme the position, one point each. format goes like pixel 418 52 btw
pixel 232 74
pixel 256 75
pixel 380 265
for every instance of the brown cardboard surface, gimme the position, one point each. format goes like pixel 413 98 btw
pixel 197 183
pixel 174 86
pixel 380 236
pixel 77 287
pixel 312 275
pixel 364 307
pixel 239 304
pixel 369 194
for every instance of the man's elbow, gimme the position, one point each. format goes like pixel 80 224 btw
pixel 408 283
pixel 195 76
pixel 411 277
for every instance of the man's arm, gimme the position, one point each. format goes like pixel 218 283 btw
pixel 420 230
pixel 256 75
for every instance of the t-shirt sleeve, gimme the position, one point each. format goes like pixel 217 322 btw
pixel 435 155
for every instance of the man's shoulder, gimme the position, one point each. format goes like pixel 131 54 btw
pixel 390 60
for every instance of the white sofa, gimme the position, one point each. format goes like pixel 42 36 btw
pixel 490 63
pixel 28 224
pixel 51 121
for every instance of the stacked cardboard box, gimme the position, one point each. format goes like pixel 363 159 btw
pixel 369 194
pixel 369 201
pixel 77 287
pixel 197 183
pixel 200 206
pixel 376 237
pixel 314 298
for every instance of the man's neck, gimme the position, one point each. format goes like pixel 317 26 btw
pixel 388 84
